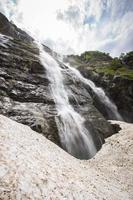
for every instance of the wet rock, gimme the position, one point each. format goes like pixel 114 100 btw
pixel 37 68
pixel 120 91
pixel 117 85
pixel 25 90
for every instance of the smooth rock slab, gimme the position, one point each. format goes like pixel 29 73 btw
pixel 32 167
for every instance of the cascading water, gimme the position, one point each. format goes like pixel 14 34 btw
pixel 111 107
pixel 75 138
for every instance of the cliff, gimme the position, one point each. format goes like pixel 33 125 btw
pixel 115 75
pixel 25 94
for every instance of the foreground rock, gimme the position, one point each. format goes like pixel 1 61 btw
pixel 32 167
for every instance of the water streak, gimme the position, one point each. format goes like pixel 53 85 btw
pixel 111 107
pixel 75 138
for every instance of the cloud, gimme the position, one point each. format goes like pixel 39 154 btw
pixel 7 7
pixel 71 16
pixel 74 26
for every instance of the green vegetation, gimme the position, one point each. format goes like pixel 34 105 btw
pixel 95 56
pixel 104 63
pixel 116 63
pixel 91 56
pixel 120 71
pixel 122 66
pixel 127 59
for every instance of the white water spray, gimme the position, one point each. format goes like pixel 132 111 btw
pixel 75 138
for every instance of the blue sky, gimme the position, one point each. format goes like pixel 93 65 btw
pixel 74 26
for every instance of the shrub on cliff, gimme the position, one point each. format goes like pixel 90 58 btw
pixel 128 59
pixel 95 56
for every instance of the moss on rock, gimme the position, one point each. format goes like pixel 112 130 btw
pixel 119 71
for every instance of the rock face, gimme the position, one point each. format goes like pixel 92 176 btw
pixel 32 167
pixel 24 91
pixel 115 76
pixel 121 91
pixel 10 29
pixel 24 88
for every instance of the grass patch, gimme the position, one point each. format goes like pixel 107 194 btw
pixel 120 71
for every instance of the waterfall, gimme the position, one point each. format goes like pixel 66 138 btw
pixel 75 138
pixel 111 107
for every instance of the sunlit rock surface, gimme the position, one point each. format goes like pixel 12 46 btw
pixel 32 167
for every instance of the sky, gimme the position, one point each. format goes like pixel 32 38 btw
pixel 75 26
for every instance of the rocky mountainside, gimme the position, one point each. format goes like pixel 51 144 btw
pixel 115 75
pixel 9 29
pixel 25 93
pixel 32 167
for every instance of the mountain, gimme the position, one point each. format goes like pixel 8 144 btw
pixel 46 104
pixel 25 94
pixel 115 75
